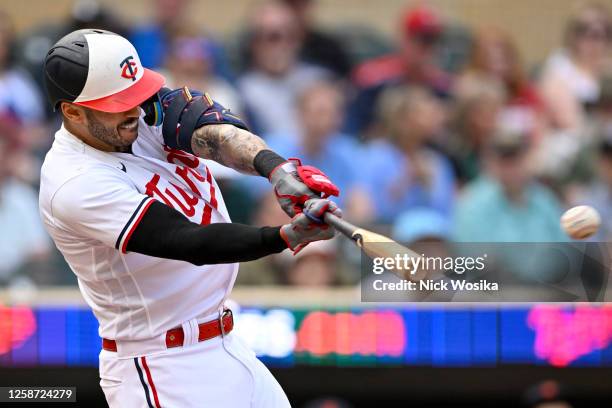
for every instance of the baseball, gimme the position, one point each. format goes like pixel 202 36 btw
pixel 580 222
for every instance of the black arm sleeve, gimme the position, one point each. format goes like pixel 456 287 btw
pixel 165 233
pixel 265 161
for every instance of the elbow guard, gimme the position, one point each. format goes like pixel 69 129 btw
pixel 181 111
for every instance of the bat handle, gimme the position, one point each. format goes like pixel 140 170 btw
pixel 343 226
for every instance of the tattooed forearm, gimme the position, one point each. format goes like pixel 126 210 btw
pixel 228 145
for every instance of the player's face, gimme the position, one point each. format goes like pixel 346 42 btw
pixel 118 130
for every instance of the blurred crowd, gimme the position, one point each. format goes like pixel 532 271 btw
pixel 441 134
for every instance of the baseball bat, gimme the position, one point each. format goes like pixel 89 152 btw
pixel 372 244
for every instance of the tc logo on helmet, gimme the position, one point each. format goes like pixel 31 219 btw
pixel 129 68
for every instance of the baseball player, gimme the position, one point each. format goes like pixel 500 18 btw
pixel 127 198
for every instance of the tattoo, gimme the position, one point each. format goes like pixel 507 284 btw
pixel 226 144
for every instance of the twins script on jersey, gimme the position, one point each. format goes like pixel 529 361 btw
pixel 91 202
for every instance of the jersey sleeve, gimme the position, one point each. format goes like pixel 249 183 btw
pixel 100 205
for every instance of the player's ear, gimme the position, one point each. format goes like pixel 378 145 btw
pixel 72 112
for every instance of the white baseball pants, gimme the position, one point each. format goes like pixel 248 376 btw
pixel 221 372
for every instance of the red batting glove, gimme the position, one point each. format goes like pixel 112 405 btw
pixel 294 184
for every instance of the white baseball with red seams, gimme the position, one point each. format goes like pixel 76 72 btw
pixel 580 222
pixel 91 202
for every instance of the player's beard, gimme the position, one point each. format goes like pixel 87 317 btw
pixel 109 135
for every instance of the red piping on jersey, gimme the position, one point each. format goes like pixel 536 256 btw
pixel 213 199
pixel 131 231
pixel 207 215
pixel 150 379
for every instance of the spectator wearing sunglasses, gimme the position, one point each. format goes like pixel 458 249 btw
pixel 276 75
pixel 571 75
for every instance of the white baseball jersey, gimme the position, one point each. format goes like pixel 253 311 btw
pixel 91 202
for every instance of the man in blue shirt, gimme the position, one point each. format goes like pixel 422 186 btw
pixel 319 143
pixel 506 204
pixel 401 171
pixel 152 40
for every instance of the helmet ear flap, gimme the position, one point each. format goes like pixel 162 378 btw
pixel 153 110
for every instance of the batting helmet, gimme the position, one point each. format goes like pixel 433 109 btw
pixel 98 69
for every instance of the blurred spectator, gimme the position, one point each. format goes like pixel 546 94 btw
pixel 454 48
pixel 318 47
pixel 319 143
pixel 599 194
pixel 21 100
pixel 475 119
pixel 269 270
pixel 153 40
pixel 570 84
pixel 19 96
pixel 506 204
pixel 571 162
pixel 547 394
pixel 602 111
pixel 570 77
pixel 22 237
pixel 421 225
pixel 415 63
pixel 313 266
pixel 401 172
pixel 190 63
pixel 424 231
pixel 276 76
pixel 84 14
pixel 495 57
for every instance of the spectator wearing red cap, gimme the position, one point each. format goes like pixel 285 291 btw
pixel 414 63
